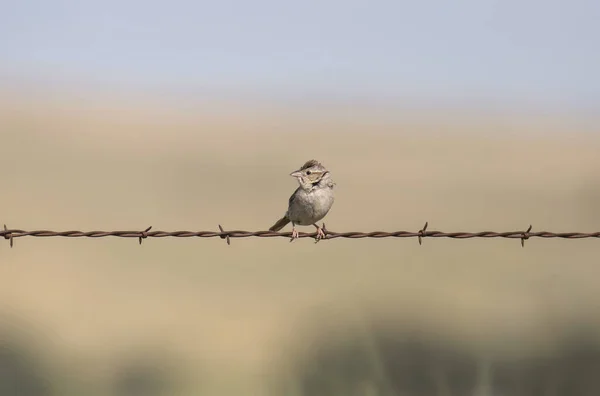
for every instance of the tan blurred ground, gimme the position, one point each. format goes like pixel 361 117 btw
pixel 105 164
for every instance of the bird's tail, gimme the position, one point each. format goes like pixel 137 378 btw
pixel 280 224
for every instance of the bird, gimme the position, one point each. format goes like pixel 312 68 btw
pixel 311 201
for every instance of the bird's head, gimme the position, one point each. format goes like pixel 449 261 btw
pixel 312 174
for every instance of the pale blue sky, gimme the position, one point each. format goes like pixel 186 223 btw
pixel 529 51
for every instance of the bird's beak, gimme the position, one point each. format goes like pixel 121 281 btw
pixel 296 173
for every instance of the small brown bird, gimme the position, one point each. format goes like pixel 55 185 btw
pixel 311 201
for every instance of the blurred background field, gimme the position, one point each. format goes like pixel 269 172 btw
pixel 473 116
pixel 246 318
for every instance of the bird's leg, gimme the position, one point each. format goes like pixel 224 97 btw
pixel 320 233
pixel 294 232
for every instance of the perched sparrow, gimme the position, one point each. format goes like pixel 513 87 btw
pixel 311 201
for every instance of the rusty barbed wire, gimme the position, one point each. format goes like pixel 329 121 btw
pixel 11 234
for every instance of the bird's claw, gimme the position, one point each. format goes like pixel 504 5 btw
pixel 320 234
pixel 294 234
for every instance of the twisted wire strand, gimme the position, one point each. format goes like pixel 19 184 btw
pixel 10 234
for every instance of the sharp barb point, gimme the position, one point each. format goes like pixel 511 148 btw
pixel 525 235
pixel 421 233
pixel 143 234
pixel 8 236
pixel 226 237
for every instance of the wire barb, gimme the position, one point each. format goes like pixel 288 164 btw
pixel 224 236
pixel 422 232
pixel 144 234
pixel 525 235
pixel 8 235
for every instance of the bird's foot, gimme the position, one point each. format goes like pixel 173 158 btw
pixel 294 234
pixel 320 233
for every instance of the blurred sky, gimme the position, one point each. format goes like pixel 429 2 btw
pixel 533 52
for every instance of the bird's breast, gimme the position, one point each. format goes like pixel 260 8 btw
pixel 309 207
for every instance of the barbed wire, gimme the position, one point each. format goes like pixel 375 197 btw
pixel 11 234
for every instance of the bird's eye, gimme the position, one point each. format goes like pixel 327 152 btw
pixel 308 172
